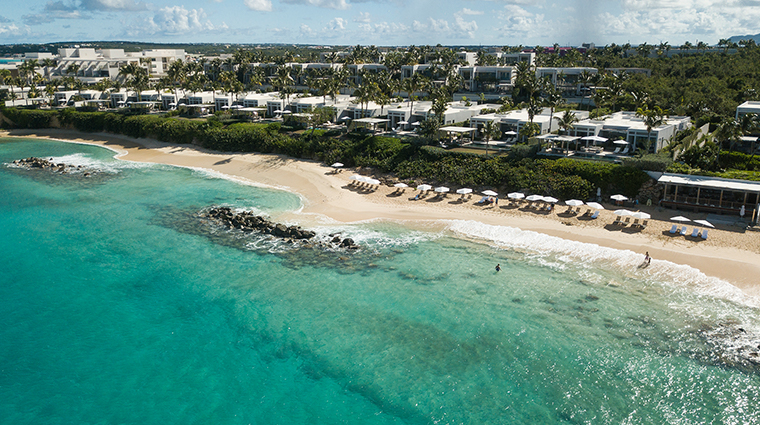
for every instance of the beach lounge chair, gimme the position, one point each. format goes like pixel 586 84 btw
pixel 684 230
pixel 617 150
pixel 673 229
pixel 695 233
pixel 704 234
pixel 644 224
pixel 626 221
pixel 635 223
pixel 625 151
pixel 617 220
pixel 595 215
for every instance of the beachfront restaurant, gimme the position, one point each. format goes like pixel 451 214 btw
pixel 710 194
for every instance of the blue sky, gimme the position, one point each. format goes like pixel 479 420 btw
pixel 379 22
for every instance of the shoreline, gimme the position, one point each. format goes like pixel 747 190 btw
pixel 729 253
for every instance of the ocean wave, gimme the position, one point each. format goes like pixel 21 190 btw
pixel 89 164
pixel 558 253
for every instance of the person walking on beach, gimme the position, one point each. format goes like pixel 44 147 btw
pixel 647 258
pixel 498 268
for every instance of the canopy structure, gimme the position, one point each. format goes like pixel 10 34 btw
pixel 532 198
pixel 400 185
pixel 712 194
pixel 452 130
pixel 595 205
pixel 550 200
pixel 489 193
pixel 704 223
pixel 515 195
pixel 464 191
pixel 372 123
pixel 574 202
pixel 442 189
pixel 424 187
pixel 619 198
pixel 622 213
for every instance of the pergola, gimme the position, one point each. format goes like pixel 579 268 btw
pixel 452 129
pixel 710 193
pixel 370 122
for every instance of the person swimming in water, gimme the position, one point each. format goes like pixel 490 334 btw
pixel 498 268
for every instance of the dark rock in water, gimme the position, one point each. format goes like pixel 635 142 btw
pixel 347 243
pixel 335 239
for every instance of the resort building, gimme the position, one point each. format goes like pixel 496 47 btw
pixel 711 194
pixel 488 79
pixel 511 122
pixel 629 127
pixel 748 107
pixel 94 65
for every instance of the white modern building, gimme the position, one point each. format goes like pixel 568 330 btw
pixel 629 127
pixel 748 107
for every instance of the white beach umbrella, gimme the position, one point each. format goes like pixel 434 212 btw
pixel 416 123
pixel 286 112
pixel 619 197
pixel 704 223
pixel 641 215
pixel 532 198
pixel 424 187
pixel 595 205
pixel 594 138
pixel 173 104
pixel 550 200
pixel 442 189
pixel 622 213
pixel 278 111
pixel 620 142
pixel 401 185
pixel 680 218
pixel 373 181
pixel 337 165
pixel 489 193
pixel 225 107
pixel 464 191
pixel 402 122
pixel 356 177
pixel 510 133
pixel 574 202
pixel 515 195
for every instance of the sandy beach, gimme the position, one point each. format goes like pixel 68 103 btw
pixel 729 253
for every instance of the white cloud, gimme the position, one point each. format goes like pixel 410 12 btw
pixel 467 11
pixel 328 4
pixel 306 31
pixel 108 5
pixel 363 17
pixel 175 20
pixel 13 30
pixel 337 24
pixel 467 27
pixel 260 5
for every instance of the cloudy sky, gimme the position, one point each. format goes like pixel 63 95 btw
pixel 380 22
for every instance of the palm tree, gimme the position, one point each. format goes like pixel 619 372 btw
pixel 411 85
pixel 48 63
pixel 652 118
pixel 552 98
pixel 490 131
pixel 567 121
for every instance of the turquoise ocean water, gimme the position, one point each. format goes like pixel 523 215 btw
pixel 118 305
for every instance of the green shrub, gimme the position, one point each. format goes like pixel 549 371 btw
pixel 650 162
pixel 29 118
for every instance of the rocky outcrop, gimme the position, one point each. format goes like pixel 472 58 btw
pixel 249 222
pixel 34 162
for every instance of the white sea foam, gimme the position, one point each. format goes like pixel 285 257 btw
pixel 370 237
pixel 91 164
pixel 557 252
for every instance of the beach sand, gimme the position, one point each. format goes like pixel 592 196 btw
pixel 730 253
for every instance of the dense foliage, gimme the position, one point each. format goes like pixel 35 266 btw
pixel 520 170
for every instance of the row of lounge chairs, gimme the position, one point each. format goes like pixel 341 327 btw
pixel 696 233
pixel 620 221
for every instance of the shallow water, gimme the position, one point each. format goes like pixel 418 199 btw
pixel 118 304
